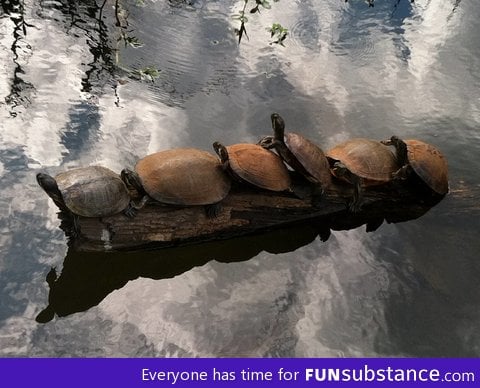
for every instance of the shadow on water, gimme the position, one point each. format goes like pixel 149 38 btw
pixel 87 278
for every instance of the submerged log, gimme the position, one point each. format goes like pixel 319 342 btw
pixel 244 211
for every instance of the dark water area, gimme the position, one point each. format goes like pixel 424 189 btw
pixel 71 94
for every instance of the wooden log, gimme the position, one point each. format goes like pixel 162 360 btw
pixel 244 211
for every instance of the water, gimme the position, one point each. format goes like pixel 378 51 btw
pixel 68 100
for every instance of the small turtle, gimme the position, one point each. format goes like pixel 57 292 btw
pixel 181 176
pixel 425 160
pixel 362 162
pixel 254 164
pixel 299 153
pixel 93 191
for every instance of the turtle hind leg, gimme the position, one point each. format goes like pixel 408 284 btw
pixel 213 210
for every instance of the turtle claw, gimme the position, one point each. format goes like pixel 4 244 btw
pixel 130 212
pixel 354 207
pixel 71 226
pixel 132 209
pixel 213 210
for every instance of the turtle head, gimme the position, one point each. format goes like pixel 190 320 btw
pixel 392 141
pixel 278 126
pixel 267 142
pixel 46 182
pixel 49 185
pixel 131 179
pixel 401 149
pixel 221 151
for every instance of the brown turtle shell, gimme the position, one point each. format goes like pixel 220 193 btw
pixel 93 191
pixel 183 176
pixel 258 166
pixel 429 164
pixel 310 156
pixel 369 159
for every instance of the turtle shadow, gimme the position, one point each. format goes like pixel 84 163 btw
pixel 87 278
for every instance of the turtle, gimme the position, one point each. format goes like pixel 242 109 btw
pixel 362 162
pixel 300 154
pixel 181 176
pixel 93 191
pixel 424 160
pixel 255 165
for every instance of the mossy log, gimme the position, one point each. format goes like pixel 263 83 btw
pixel 244 211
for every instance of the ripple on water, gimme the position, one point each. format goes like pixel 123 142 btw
pixel 198 56
pixel 357 44
pixel 305 32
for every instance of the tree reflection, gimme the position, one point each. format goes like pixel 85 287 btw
pixel 20 90
pixel 85 16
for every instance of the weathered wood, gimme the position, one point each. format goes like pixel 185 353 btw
pixel 244 211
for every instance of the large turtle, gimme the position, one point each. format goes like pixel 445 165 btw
pixel 254 164
pixel 181 176
pixel 299 153
pixel 362 162
pixel 93 191
pixel 424 160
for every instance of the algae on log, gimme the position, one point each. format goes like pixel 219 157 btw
pixel 244 211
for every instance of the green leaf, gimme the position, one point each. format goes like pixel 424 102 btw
pixel 132 41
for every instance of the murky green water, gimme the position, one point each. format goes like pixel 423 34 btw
pixel 67 100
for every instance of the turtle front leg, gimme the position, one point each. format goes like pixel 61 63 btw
pixel 132 209
pixel 402 173
pixel 213 210
pixel 74 230
pixel 341 171
pixel 356 205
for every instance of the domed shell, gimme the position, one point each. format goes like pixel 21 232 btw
pixel 429 164
pixel 183 176
pixel 258 166
pixel 368 159
pixel 310 156
pixel 93 191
